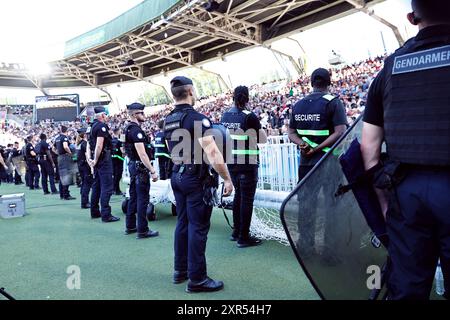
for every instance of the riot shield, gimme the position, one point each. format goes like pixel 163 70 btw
pixel 67 169
pixel 329 234
pixel 20 165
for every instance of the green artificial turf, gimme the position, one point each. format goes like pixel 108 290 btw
pixel 36 251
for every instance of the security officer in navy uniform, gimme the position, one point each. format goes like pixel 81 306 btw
pixel 47 165
pixel 101 162
pixel 245 131
pixel 138 149
pixel 62 148
pixel 190 184
pixel 117 159
pixel 317 122
pixel 408 108
pixel 16 152
pixel 84 169
pixel 32 164
pixel 162 153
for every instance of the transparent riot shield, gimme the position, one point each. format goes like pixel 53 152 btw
pixel 329 234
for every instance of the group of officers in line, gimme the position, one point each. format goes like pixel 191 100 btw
pixel 418 223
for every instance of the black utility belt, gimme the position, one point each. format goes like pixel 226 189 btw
pixel 140 166
pixel 191 169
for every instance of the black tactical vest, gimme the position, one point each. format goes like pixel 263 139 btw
pixel 130 149
pixel 312 119
pixel 160 146
pixel 115 149
pixel 417 103
pixel 81 155
pixel 173 122
pixel 93 139
pixel 245 152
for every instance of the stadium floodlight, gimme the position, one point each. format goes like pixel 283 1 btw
pixel 39 69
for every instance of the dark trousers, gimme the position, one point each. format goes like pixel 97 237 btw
pixel 419 233
pixel 64 192
pixel 102 189
pixel 17 178
pixel 245 189
pixel 86 182
pixel 48 173
pixel 193 225
pixel 165 167
pixel 117 174
pixel 33 175
pixel 303 172
pixel 139 199
pixel 27 176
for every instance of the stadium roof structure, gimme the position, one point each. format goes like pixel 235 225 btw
pixel 160 36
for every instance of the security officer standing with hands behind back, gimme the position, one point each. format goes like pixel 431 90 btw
pixel 317 122
pixel 408 108
pixel 245 131
pixel 190 185
pixel 137 146
pixel 99 148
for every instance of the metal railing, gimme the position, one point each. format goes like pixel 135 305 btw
pixel 279 162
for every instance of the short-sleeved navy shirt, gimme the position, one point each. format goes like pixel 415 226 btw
pixel 28 150
pixel 44 147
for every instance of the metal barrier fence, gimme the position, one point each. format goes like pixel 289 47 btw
pixel 279 162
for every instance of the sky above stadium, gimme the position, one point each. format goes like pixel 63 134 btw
pixel 33 30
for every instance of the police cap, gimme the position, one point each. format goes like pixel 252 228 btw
pixel 321 76
pixel 136 106
pixel 99 110
pixel 82 130
pixel 180 81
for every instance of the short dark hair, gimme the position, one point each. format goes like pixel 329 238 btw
pixel 161 124
pixel 64 129
pixel 180 93
pixel 29 138
pixel 432 10
pixel 116 130
pixel 16 142
pixel 43 136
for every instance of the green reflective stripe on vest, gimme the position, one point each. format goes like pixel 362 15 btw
pixel 314 133
pixel 163 155
pixel 239 138
pixel 245 152
pixel 118 157
pixel 312 144
pixel 160 145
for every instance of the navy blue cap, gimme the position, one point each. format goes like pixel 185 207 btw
pixel 321 74
pixel 136 106
pixel 82 130
pixel 98 110
pixel 180 81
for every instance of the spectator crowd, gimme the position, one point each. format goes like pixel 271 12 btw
pixel 272 103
